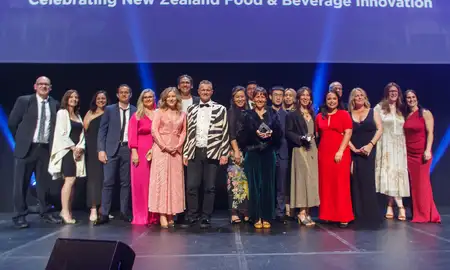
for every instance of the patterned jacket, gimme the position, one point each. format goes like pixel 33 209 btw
pixel 218 137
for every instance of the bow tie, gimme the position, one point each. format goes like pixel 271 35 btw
pixel 204 105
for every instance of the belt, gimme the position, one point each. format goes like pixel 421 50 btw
pixel 123 143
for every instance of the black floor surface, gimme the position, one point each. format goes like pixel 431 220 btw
pixel 396 245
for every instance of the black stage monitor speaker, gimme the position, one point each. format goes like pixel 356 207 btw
pixel 80 254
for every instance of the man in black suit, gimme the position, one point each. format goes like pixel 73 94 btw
pixel 282 162
pixel 32 123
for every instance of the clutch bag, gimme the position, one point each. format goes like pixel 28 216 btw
pixel 148 156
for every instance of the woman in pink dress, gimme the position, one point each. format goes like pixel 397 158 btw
pixel 140 142
pixel 418 127
pixel 167 184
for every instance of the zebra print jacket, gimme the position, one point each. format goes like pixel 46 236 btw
pixel 218 137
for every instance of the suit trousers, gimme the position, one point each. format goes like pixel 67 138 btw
pixel 201 170
pixel 119 162
pixel 35 161
pixel 283 185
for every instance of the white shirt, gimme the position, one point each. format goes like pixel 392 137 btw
pixel 127 114
pixel 203 121
pixel 47 120
pixel 185 103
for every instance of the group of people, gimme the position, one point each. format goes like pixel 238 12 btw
pixel 282 159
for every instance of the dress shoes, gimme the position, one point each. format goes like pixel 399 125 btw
pixel 205 224
pixel 102 219
pixel 50 218
pixel 20 223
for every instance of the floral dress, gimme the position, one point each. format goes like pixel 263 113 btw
pixel 237 187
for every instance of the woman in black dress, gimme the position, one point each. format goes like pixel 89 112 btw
pixel 367 130
pixel 237 184
pixel 259 134
pixel 94 166
pixel 67 156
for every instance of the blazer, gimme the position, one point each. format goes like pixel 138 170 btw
pixel 61 146
pixel 283 152
pixel 22 122
pixel 108 139
pixel 218 136
pixel 296 127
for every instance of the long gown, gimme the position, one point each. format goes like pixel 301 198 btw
pixel 167 191
pixel 424 208
pixel 140 138
pixel 391 169
pixel 93 166
pixel 334 178
pixel 259 164
pixel 364 195
pixel 237 183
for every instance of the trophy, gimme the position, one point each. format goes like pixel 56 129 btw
pixel 307 137
pixel 263 128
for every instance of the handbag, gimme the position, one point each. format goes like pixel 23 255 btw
pixel 148 156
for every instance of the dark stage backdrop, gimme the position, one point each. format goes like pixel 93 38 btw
pixel 430 81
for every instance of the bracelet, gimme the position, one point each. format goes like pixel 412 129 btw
pixel 372 143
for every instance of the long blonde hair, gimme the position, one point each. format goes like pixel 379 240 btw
pixel 140 104
pixel 163 99
pixel 351 99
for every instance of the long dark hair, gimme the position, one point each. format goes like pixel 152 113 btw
pixel 324 107
pixel 407 109
pixel 299 94
pixel 93 104
pixel 65 101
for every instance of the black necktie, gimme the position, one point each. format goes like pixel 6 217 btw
pixel 41 132
pixel 124 123
pixel 204 105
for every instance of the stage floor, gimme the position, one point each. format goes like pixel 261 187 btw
pixel 397 245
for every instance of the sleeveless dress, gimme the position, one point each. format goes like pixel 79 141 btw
pixel 424 208
pixel 68 167
pixel 391 170
pixel 334 178
pixel 364 195
pixel 93 166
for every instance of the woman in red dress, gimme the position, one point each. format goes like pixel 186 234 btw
pixel 418 127
pixel 334 129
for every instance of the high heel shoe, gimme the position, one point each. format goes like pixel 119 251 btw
pixel 403 216
pixel 93 216
pixel 389 212
pixel 303 220
pixel 67 221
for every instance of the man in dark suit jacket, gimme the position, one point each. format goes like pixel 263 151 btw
pixel 283 183
pixel 32 123
pixel 113 152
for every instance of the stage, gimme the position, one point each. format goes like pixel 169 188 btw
pixel 397 245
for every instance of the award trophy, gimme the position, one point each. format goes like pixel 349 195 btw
pixel 265 129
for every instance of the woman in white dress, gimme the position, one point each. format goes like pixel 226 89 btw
pixel 391 171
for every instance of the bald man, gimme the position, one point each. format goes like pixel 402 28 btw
pixel 32 122
pixel 337 86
